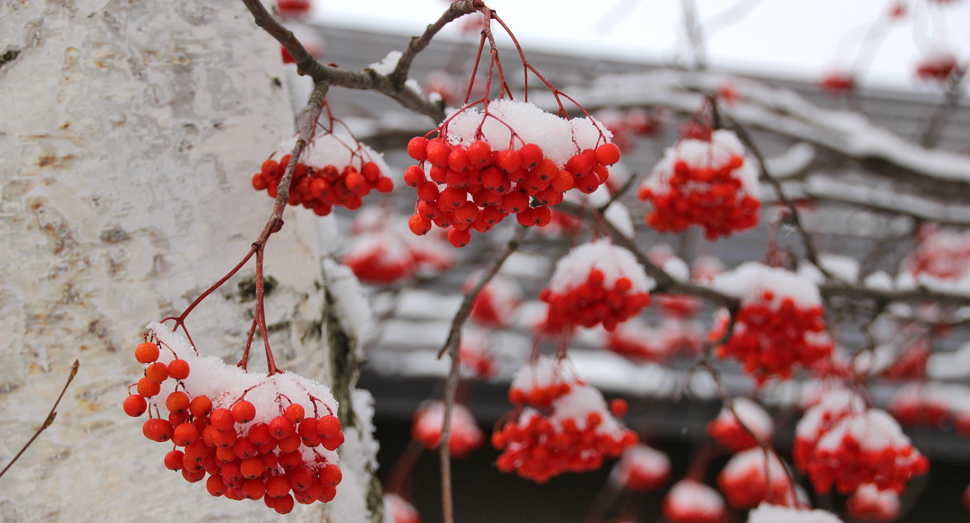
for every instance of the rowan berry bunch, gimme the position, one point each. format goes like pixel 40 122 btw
pixel 576 436
pixel 779 325
pixel 865 447
pixel 540 382
pixel 397 510
pixel 937 68
pixel 642 469
pixel 330 173
pixel 690 501
pixel 271 438
pixel 708 183
pixel 465 435
pixel 827 410
pixel 745 485
pixel 596 284
pixel 728 431
pixel 942 254
pixel 920 404
pixel 869 503
pixel 512 158
pixel 638 341
pixel 766 513
pixel 475 356
pixel 497 302
pixel 910 363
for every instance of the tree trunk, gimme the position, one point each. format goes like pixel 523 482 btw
pixel 129 132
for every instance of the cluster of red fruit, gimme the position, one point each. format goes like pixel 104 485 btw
pixel 464 435
pixel 918 405
pixel 746 485
pixel 642 469
pixel 871 504
pixel 691 501
pixel 727 430
pixel 539 448
pixel 244 460
pixel 474 187
pixel 590 303
pixel 322 189
pixel 711 197
pixel 770 338
pixel 937 68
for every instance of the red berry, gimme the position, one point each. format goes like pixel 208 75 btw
pixel 479 154
pixel 146 352
pixel 222 420
pixel 135 405
pixel 185 434
pixel 414 176
pixel 531 155
pixel 177 401
pixel 329 426
pixel 281 428
pixel 200 406
pixel 508 161
pixel 148 388
pixel 157 372
pixel 216 486
pixel 608 154
pixel 243 412
pixel 459 238
pixel 419 225
pixel 418 148
pixel 178 369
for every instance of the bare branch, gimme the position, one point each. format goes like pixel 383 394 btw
pixel 48 421
pixel 941 116
pixel 419 43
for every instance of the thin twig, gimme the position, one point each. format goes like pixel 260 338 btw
pixel 365 80
pixel 419 43
pixel 945 110
pixel 451 385
pixel 48 421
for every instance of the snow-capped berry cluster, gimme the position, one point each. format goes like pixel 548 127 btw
pixel 829 408
pixel 745 486
pixel 474 354
pixel 837 83
pixel 465 436
pixel 705 183
pixel 871 504
pixel 540 382
pixel 516 159
pixel 382 252
pixel 642 469
pixel 864 447
pixel 726 429
pixel 576 436
pixel 330 173
pixel 766 513
pixel 942 254
pixel 397 510
pixel 920 404
pixel 937 68
pixel 638 341
pixel 258 437
pixel 690 501
pixel 596 283
pixel 497 302
pixel 780 323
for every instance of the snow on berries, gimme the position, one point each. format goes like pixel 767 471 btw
pixel 256 437
pixel 465 436
pixel 540 382
pixel 636 340
pixel 397 510
pixel 834 405
pixel 743 481
pixel 919 404
pixel 334 170
pixel 726 429
pixel 641 469
pixel 690 501
pixel 577 434
pixel 780 323
pixel 864 447
pixel 871 504
pixel 766 513
pixel 474 354
pixel 596 283
pixel 510 158
pixel 706 183
pixel 497 302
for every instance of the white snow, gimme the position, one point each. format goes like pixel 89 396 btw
pixel 387 64
pixel 742 464
pixel 749 280
pixel 700 497
pixel 578 403
pixel 559 139
pixel 615 263
pixel 701 154
pixel 766 513
pixel 337 148
pixel 752 415
pixel 351 306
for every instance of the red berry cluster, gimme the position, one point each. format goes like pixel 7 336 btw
pixel 322 189
pixel 397 510
pixel 770 340
pixel 938 68
pixel 476 358
pixel 837 83
pixel 679 306
pixel 911 364
pixel 465 436
pixel 642 469
pixel 864 448
pixel 871 504
pixel 590 303
pixel 539 448
pixel 710 197
pixel 496 303
pixel 728 431
pixel 474 187
pixel 918 405
pixel 690 501
pixel 539 396
pixel 743 481
pixel 244 460
pixel 541 382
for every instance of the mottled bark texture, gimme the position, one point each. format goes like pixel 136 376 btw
pixel 129 131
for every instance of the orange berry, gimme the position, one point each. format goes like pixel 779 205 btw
pixel 157 372
pixel 608 154
pixel 284 505
pixel 243 411
pixel 178 369
pixel 135 405
pixel 173 460
pixel 329 426
pixel 177 401
pixel 295 413
pixel 254 489
pixel 251 468
pixel 200 406
pixel 185 434
pixel 459 238
pixel 146 352
pixel 148 388
pixel 216 486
